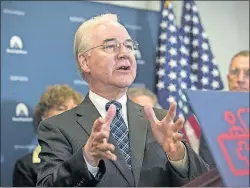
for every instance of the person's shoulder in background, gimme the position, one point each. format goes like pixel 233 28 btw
pixel 25 172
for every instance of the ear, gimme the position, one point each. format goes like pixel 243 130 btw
pixel 83 62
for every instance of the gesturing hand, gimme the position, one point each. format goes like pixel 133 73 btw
pixel 97 146
pixel 166 132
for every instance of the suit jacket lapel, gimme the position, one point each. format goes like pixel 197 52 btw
pixel 88 114
pixel 137 136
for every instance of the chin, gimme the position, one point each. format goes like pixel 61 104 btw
pixel 123 83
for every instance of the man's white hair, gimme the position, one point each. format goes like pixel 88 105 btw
pixel 83 34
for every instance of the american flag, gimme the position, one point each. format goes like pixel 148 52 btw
pixel 185 61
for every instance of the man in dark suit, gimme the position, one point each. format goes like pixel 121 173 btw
pixel 238 80
pixel 108 140
pixel 55 100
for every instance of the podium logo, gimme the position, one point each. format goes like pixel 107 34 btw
pixel 234 143
pixel 22 114
pixel 16 46
pixel 138 57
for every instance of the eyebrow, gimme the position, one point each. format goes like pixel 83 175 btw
pixel 111 39
pixel 240 68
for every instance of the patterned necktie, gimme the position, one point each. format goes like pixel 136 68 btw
pixel 119 131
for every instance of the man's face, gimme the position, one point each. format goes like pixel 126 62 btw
pixel 67 105
pixel 238 77
pixel 106 67
pixel 144 100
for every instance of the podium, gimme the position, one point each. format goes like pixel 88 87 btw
pixel 211 178
pixel 224 120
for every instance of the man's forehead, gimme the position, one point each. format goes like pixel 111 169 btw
pixel 240 62
pixel 111 30
pixel 105 26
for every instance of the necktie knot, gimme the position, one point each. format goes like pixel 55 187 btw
pixel 117 105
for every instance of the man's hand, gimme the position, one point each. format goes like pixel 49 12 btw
pixel 166 132
pixel 97 146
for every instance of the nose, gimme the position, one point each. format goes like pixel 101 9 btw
pixel 241 77
pixel 122 52
pixel 122 48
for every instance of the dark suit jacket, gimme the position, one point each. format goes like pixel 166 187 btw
pixel 211 178
pixel 205 153
pixel 62 138
pixel 25 172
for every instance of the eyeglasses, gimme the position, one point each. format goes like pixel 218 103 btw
pixel 112 45
pixel 236 72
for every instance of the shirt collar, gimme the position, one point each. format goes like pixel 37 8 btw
pixel 100 102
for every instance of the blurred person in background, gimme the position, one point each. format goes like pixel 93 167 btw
pixel 238 81
pixel 55 100
pixel 143 96
pixel 238 76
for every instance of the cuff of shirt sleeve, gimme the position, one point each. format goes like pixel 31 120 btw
pixel 93 170
pixel 181 166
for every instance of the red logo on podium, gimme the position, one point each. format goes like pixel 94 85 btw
pixel 239 135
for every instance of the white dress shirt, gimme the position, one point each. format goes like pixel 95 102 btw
pixel 100 102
